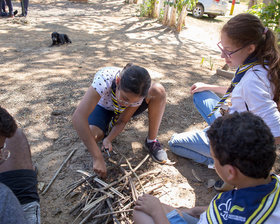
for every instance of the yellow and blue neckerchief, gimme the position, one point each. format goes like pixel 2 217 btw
pixel 118 109
pixel 240 72
pixel 251 205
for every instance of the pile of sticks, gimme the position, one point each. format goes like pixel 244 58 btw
pixel 112 202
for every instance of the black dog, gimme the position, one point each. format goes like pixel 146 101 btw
pixel 58 39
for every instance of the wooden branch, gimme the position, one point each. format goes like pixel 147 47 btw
pixel 76 185
pixel 133 189
pixel 111 198
pixel 91 212
pixel 110 213
pixel 112 210
pixel 92 204
pixel 57 172
pixel 129 173
pixel 107 186
pixel 100 190
pixel 130 167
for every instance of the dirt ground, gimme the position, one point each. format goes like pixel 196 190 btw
pixel 41 87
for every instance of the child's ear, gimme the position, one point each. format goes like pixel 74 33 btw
pixel 232 172
pixel 251 48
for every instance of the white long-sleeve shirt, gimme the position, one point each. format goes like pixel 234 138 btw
pixel 256 91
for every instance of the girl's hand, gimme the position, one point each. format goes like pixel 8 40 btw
pixel 99 167
pixel 107 144
pixel 199 87
pixel 148 204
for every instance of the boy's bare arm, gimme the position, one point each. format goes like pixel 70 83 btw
pixel 195 211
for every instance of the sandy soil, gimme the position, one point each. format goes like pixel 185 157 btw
pixel 41 86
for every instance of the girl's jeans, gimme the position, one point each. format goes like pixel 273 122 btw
pixel 195 144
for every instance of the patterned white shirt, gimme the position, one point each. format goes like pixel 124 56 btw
pixel 102 83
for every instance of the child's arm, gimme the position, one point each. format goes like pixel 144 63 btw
pixel 151 206
pixel 119 126
pixel 80 122
pixel 199 87
pixel 195 211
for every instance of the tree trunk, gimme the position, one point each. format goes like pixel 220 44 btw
pixel 182 18
pixel 251 3
pixel 279 32
pixel 166 14
pixel 172 21
pixel 155 13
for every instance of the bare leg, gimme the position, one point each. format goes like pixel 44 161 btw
pixel 96 132
pixel 156 105
pixel 20 153
pixel 140 217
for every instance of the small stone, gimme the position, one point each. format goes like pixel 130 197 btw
pixel 211 183
pixel 57 112
pixel 196 176
pixel 56 212
pixel 41 186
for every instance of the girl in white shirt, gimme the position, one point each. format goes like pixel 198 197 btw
pixel 252 48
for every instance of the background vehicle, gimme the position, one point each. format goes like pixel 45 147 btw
pixel 212 8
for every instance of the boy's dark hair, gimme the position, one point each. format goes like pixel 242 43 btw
pixel 244 141
pixel 8 125
pixel 135 79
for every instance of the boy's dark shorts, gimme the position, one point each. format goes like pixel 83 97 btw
pixel 101 117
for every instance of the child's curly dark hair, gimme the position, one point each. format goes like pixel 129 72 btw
pixel 244 141
pixel 8 125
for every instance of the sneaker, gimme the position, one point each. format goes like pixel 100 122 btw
pixel 22 15
pixel 156 151
pixel 220 185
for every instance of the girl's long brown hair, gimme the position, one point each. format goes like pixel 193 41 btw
pixel 246 29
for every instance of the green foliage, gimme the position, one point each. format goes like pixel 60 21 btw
pixel 268 14
pixel 146 9
pixel 161 14
pixel 179 4
pixel 210 62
